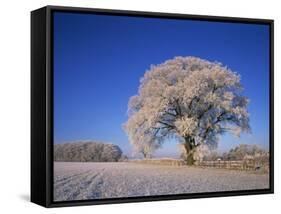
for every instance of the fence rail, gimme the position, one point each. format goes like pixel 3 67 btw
pixel 246 165
pixel 239 165
pixel 164 161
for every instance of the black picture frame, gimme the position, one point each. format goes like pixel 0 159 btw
pixel 42 105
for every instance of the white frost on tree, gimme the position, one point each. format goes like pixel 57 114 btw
pixel 187 98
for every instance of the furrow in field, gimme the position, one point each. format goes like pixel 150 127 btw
pixel 86 184
pixel 65 178
pixel 94 189
pixel 71 178
pixel 64 190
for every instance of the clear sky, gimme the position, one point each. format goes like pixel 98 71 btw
pixel 99 60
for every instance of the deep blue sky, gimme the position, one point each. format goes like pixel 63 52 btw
pixel 99 60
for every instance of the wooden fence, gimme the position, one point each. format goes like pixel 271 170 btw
pixel 246 165
pixel 161 161
pixel 238 165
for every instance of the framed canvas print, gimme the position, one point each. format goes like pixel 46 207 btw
pixel 140 106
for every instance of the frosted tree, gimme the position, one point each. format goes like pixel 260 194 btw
pixel 146 148
pixel 187 98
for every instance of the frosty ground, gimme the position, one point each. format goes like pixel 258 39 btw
pixel 79 181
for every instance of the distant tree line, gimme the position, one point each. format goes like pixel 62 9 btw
pixel 87 151
pixel 240 152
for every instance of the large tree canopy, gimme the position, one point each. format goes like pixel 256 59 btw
pixel 188 98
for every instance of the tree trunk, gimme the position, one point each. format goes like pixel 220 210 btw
pixel 144 154
pixel 188 151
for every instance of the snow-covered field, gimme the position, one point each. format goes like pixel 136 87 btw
pixel 78 181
